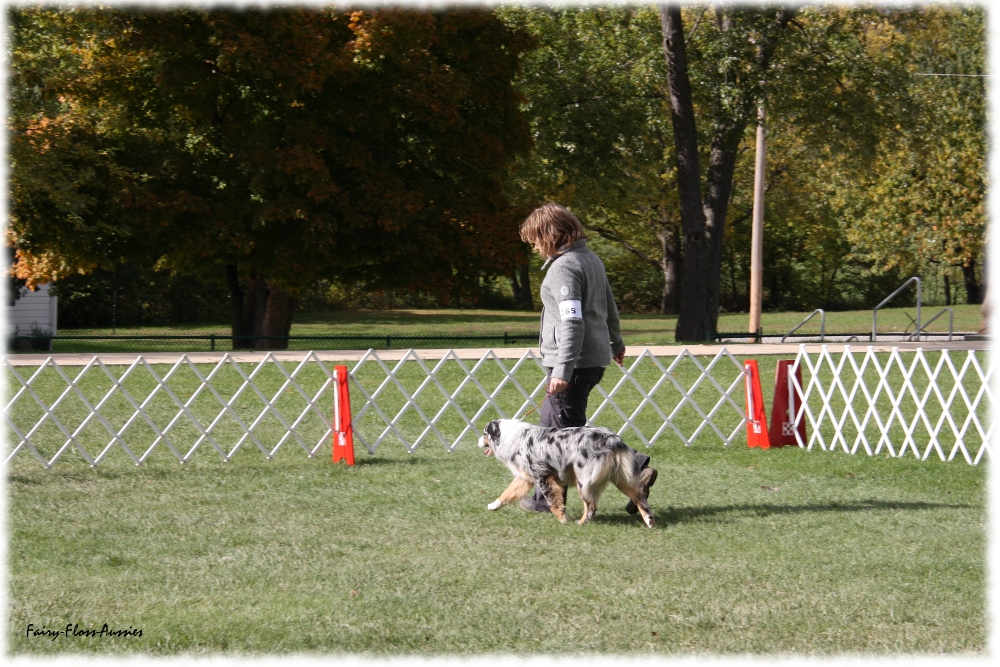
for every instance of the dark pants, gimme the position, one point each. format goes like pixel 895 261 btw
pixel 569 408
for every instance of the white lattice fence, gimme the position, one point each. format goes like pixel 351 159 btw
pixel 96 411
pixel 183 407
pixel 919 402
pixel 452 399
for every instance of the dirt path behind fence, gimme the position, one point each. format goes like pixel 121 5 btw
pixel 125 358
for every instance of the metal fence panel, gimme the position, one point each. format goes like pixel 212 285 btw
pixel 182 409
pixel 453 400
pixel 187 407
pixel 931 402
pixel 893 402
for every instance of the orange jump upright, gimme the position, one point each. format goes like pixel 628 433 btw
pixel 343 434
pixel 756 417
pixel 787 400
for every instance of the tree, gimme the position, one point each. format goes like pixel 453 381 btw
pixel 921 207
pixel 746 44
pixel 595 100
pixel 272 148
pixel 838 92
pixel 872 167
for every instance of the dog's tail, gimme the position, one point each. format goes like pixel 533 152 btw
pixel 623 467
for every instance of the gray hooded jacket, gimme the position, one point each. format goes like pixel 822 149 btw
pixel 580 327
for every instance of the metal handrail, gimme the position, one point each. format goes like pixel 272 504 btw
pixel 890 298
pixel 822 325
pixel 951 323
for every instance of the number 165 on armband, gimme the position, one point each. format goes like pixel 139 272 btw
pixel 570 310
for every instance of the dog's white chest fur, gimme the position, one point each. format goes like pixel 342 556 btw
pixel 510 430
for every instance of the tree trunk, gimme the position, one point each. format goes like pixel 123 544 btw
pixel 947 290
pixel 522 291
pixel 236 305
pixel 718 191
pixel 972 291
pixel 253 315
pixel 692 321
pixel 529 303
pixel 704 221
pixel 670 266
pixel 261 314
pixel 277 320
pixel 246 307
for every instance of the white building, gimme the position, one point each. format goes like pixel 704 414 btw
pixel 33 312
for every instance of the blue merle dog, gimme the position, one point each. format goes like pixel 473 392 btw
pixel 552 459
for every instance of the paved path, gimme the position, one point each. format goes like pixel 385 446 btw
pixel 751 350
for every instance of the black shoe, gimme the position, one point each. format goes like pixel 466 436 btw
pixel 532 505
pixel 650 475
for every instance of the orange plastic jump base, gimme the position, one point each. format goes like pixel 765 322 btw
pixel 786 401
pixel 343 434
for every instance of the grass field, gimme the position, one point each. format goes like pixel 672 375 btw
pixel 636 329
pixel 755 551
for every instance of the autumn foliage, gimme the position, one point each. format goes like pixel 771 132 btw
pixel 274 148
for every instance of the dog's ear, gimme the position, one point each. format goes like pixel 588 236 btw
pixel 492 430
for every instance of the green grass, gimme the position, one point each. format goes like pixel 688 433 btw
pixel 838 554
pixel 399 555
pixel 968 317
pixel 636 329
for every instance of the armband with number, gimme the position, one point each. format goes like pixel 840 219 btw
pixel 570 310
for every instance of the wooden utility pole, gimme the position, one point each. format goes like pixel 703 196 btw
pixel 757 234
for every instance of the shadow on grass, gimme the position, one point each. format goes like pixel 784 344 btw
pixel 20 479
pixel 413 317
pixel 378 460
pixel 727 513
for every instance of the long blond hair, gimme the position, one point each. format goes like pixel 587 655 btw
pixel 551 226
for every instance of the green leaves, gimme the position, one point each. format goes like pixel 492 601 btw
pixel 873 172
pixel 306 144
pixel 920 207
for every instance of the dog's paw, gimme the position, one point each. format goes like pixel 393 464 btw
pixel 649 521
pixel 495 505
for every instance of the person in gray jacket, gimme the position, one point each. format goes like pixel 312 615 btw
pixel 580 332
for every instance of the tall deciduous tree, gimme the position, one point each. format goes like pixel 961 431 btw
pixel 839 88
pixel 878 169
pixel 271 148
pixel 920 208
pixel 747 39
pixel 597 105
